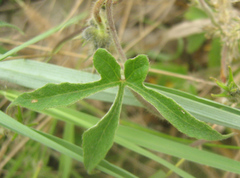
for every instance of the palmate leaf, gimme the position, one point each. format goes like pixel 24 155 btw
pixel 99 139
pixel 54 95
pixel 135 72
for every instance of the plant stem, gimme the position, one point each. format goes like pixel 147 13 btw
pixel 210 13
pixel 113 31
pixel 96 12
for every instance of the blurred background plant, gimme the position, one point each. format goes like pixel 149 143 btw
pixel 186 41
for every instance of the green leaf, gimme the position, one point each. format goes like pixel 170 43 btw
pixel 106 65
pixel 166 146
pixel 136 69
pixel 194 13
pixel 59 145
pixel 231 89
pixel 194 42
pixel 214 55
pixel 130 145
pixel 143 137
pixel 54 95
pixel 135 73
pixel 34 74
pixel 99 139
pixel 43 36
pixel 5 24
pixel 165 56
pixel 65 164
pixel 84 120
pixel 203 109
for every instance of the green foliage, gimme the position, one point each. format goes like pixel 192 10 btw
pixel 129 137
pixel 194 42
pixel 170 81
pixel 194 13
pixel 168 57
pixel 53 95
pixel 27 74
pixel 2 50
pixel 34 74
pixel 214 55
pixel 65 86
pixel 58 144
pixel 5 24
pixel 66 161
pixel 135 73
pixel 231 89
pixel 42 36
pixel 98 140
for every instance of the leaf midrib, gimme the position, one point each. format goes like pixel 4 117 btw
pixel 107 85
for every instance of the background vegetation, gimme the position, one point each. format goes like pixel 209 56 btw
pixel 186 41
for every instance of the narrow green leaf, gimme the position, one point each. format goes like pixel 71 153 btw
pixel 99 139
pixel 34 74
pixel 84 120
pixel 54 95
pixel 144 138
pixel 59 145
pixel 162 145
pixel 130 145
pixel 65 165
pixel 43 36
pixel 135 72
pixel 5 24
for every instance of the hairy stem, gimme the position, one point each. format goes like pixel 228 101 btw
pixel 113 32
pixel 210 14
pixel 96 12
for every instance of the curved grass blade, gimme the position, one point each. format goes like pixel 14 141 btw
pixel 54 95
pixel 5 24
pixel 132 146
pixel 166 146
pixel 59 145
pixel 135 73
pixel 99 139
pixel 43 36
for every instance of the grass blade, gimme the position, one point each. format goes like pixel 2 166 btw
pixel 58 144
pixel 146 139
pixel 33 74
pixel 43 36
